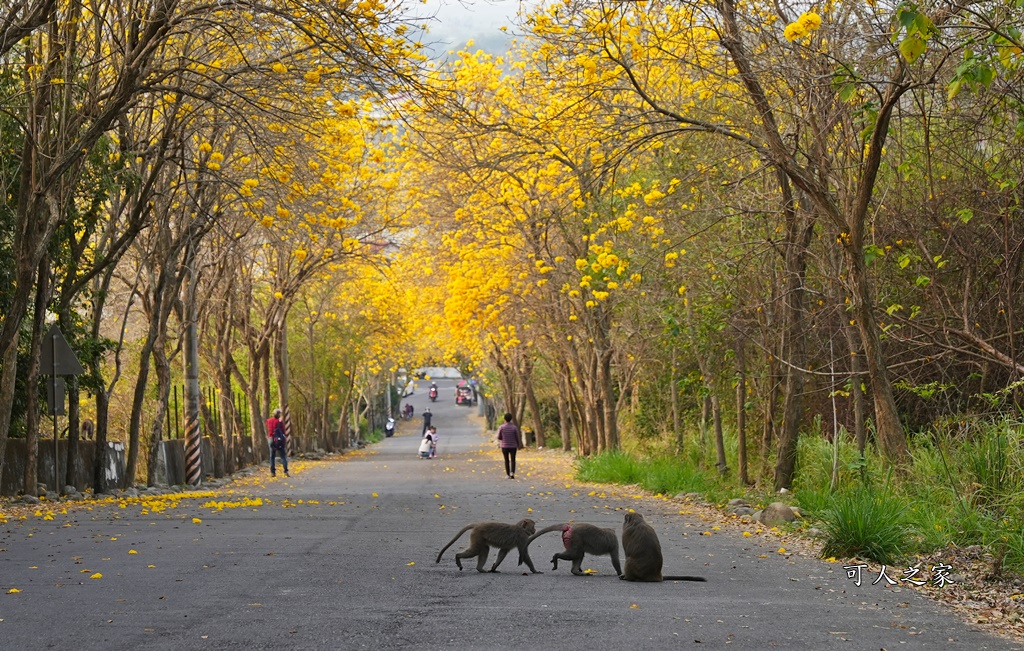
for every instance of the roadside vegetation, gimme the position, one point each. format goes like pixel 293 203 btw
pixel 963 489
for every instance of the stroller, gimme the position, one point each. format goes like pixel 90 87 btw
pixel 407 412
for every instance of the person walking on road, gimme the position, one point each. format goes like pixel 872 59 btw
pixel 278 442
pixel 426 421
pixel 510 442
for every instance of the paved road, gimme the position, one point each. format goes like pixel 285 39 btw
pixel 360 573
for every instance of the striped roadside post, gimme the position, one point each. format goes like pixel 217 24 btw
pixel 193 447
pixel 286 415
pixel 193 442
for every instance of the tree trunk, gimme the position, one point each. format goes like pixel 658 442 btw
pixel 325 434
pixel 564 424
pixel 609 416
pixel 891 438
pixel 161 291
pixel 155 469
pixel 770 402
pixel 677 430
pixel 568 424
pixel 794 346
pixel 531 400
pixel 226 406
pixel 264 382
pixel 741 410
pixel 138 400
pixel 257 428
pixel 36 221
pixel 74 427
pixel 856 388
pixel 792 416
pixel 32 409
pixel 705 418
pixel 593 428
pixel 99 466
pixel 716 413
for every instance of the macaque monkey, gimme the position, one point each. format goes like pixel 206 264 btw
pixel 494 534
pixel 643 552
pixel 580 539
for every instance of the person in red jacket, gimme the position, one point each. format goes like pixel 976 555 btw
pixel 278 442
pixel 510 441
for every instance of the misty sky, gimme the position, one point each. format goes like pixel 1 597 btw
pixel 458 21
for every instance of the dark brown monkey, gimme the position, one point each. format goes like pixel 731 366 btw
pixel 494 534
pixel 643 552
pixel 580 539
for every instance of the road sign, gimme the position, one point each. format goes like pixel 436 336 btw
pixel 55 396
pixel 57 357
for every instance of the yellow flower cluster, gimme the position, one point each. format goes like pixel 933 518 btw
pixel 802 26
pixel 220 505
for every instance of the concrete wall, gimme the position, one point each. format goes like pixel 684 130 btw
pixel 172 458
pixel 171 461
pixel 14 465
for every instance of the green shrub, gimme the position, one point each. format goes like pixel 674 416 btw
pixel 867 524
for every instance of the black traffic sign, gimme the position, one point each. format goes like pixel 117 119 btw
pixel 57 357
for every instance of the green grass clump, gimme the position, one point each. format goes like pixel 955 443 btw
pixel 610 468
pixel 670 476
pixel 812 501
pixel 663 474
pixel 868 524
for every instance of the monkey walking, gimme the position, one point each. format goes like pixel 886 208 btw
pixel 494 534
pixel 643 552
pixel 580 539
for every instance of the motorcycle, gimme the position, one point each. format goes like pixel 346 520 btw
pixel 433 394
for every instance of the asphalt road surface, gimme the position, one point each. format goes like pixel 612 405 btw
pixel 341 556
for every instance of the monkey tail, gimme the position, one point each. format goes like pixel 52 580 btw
pixel 554 527
pixel 452 541
pixel 684 577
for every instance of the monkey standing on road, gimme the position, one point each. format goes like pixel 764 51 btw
pixel 580 539
pixel 643 552
pixel 494 534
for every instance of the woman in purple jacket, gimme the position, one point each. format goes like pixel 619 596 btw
pixel 509 441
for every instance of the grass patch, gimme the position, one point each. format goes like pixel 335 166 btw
pixel 662 474
pixel 868 524
pixel 610 468
pixel 670 476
